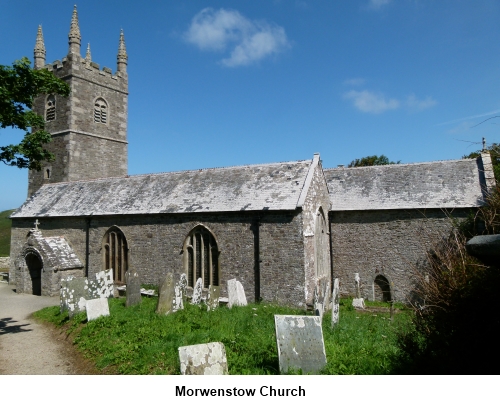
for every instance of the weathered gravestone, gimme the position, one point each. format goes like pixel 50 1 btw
pixel 133 290
pixel 236 293
pixel 102 286
pixel 300 343
pixel 73 294
pixel 166 296
pixel 357 283
pixel 97 307
pixel 204 359
pixel 180 293
pixel 197 290
pixel 213 297
pixel 335 302
pixel 358 303
pixel 318 302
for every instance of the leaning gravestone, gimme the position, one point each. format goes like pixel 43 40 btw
pixel 204 359
pixel 180 290
pixel 133 290
pixel 236 293
pixel 166 296
pixel 300 343
pixel 102 286
pixel 74 294
pixel 213 297
pixel 335 303
pixel 97 307
pixel 197 290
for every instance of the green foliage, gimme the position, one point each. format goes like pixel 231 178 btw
pixel 5 225
pixel 494 150
pixel 136 340
pixel 19 85
pixel 372 161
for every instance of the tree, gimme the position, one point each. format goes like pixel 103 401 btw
pixel 19 86
pixel 494 150
pixel 372 161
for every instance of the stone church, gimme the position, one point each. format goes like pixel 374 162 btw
pixel 281 229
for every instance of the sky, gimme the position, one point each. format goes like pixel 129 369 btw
pixel 224 83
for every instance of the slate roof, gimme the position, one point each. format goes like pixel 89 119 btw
pixel 275 186
pixel 440 184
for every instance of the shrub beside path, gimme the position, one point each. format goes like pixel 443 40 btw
pixel 30 347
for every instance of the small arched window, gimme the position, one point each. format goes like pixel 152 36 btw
pixel 201 257
pixel 50 108
pixel 321 245
pixel 100 111
pixel 115 253
pixel 382 289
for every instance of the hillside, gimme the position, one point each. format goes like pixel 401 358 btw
pixel 5 224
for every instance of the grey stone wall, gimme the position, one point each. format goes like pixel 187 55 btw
pixel 390 243
pixel 4 262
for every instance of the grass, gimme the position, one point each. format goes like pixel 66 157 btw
pixel 5 225
pixel 135 340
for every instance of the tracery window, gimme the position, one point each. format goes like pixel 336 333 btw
pixel 201 257
pixel 115 253
pixel 100 111
pixel 50 108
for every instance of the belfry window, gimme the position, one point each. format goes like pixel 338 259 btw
pixel 115 253
pixel 100 111
pixel 50 108
pixel 201 257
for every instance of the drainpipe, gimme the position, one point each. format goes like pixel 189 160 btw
pixel 87 244
pixel 257 261
pixel 331 247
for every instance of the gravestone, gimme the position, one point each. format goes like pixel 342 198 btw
pixel 204 359
pixel 102 286
pixel 180 293
pixel 335 302
pixel 97 307
pixel 357 282
pixel 133 291
pixel 358 303
pixel 197 290
pixel 236 293
pixel 166 296
pixel 300 343
pixel 73 295
pixel 318 302
pixel 213 297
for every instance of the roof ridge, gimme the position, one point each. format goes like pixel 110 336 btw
pixel 401 164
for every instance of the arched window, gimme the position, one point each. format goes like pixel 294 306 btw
pixel 50 108
pixel 115 253
pixel 321 245
pixel 381 289
pixel 100 111
pixel 201 257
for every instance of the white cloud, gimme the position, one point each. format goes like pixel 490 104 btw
pixel 378 3
pixel 418 105
pixel 357 81
pixel 370 102
pixel 247 41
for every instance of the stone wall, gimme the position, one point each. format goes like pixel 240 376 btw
pixel 390 243
pixel 4 262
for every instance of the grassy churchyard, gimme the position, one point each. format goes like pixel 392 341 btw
pixel 136 340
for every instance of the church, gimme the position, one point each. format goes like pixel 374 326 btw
pixel 281 229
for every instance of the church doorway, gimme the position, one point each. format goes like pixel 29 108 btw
pixel 115 254
pixel 35 266
pixel 381 289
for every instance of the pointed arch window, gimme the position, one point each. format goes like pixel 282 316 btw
pixel 50 108
pixel 101 111
pixel 201 257
pixel 321 245
pixel 115 253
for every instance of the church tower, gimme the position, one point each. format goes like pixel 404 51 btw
pixel 89 128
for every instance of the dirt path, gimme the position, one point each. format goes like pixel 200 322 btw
pixel 29 347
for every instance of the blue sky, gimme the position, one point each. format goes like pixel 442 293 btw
pixel 221 83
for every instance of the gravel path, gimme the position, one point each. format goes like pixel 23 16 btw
pixel 29 347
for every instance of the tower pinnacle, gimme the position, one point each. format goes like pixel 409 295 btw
pixel 122 55
pixel 88 57
pixel 39 51
pixel 74 34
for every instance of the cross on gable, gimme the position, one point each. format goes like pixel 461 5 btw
pixel 36 224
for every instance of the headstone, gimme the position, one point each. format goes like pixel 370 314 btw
pixel 213 297
pixel 180 290
pixel 300 343
pixel 102 286
pixel 133 290
pixel 358 303
pixel 166 296
pixel 328 296
pixel 97 307
pixel 204 359
pixel 74 294
pixel 335 302
pixel 197 290
pixel 357 281
pixel 236 293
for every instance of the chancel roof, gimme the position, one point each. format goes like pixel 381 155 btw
pixel 440 184
pixel 276 186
